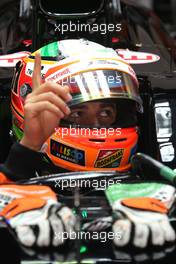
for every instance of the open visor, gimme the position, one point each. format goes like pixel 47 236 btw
pixel 102 84
pixel 102 113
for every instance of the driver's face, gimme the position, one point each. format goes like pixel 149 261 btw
pixel 97 114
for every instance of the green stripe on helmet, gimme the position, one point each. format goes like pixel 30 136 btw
pixel 50 50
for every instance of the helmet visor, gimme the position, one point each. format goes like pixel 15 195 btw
pixel 102 84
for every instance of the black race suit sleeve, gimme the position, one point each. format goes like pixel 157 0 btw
pixel 21 163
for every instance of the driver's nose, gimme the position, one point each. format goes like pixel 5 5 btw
pixel 92 121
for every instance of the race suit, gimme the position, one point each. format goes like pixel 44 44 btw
pixel 21 164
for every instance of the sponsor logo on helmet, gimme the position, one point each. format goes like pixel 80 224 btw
pixel 58 74
pixel 30 67
pixel 105 61
pixel 109 158
pixel 67 153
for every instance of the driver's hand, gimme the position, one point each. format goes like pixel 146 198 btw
pixel 141 213
pixel 35 215
pixel 43 109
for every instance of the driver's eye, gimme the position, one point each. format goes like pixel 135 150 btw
pixel 75 114
pixel 105 113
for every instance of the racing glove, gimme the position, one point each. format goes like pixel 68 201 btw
pixel 141 213
pixel 98 224
pixel 35 215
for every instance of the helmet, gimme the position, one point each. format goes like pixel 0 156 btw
pixel 98 78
